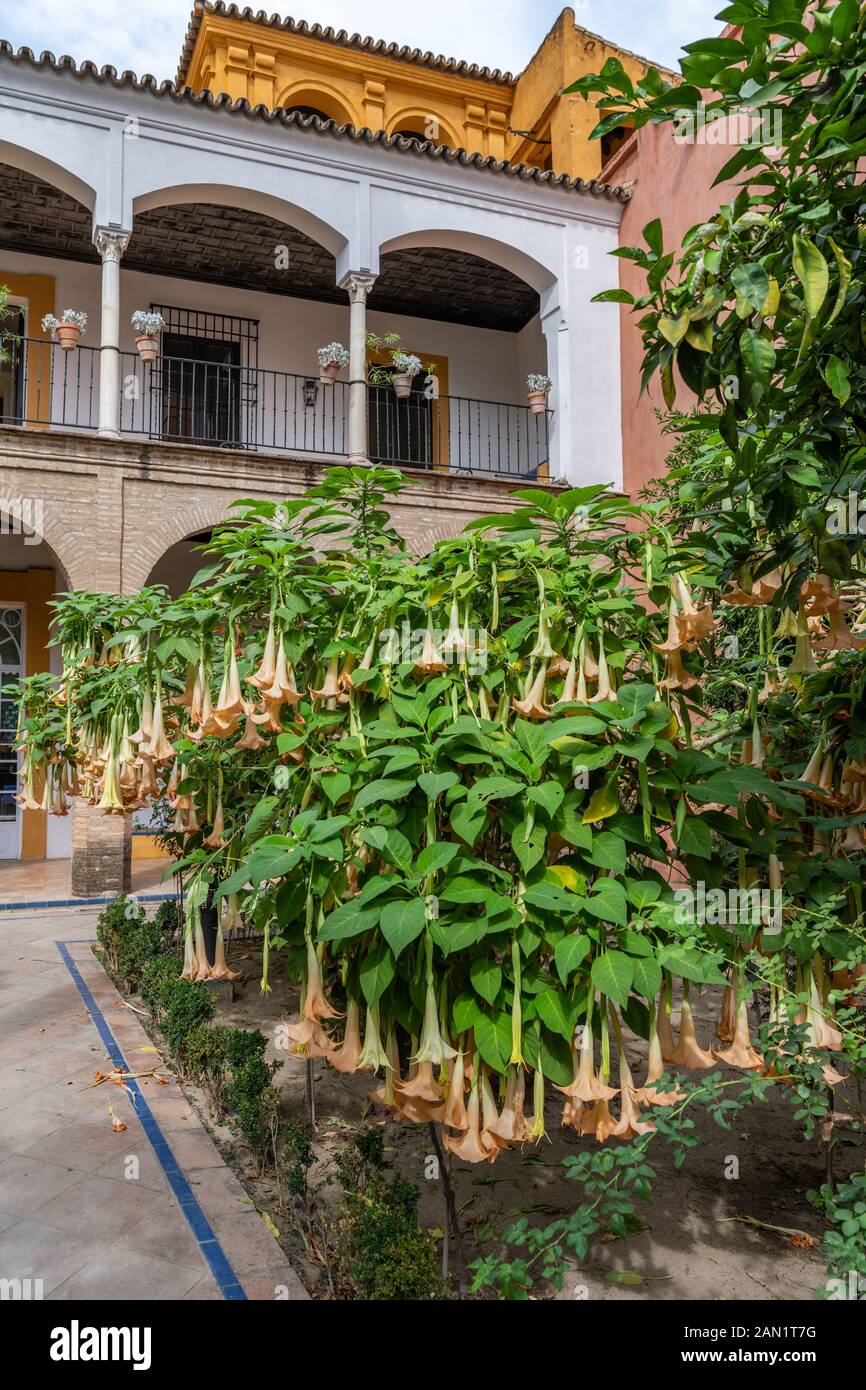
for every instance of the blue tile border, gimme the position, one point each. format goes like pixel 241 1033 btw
pixel 83 902
pixel 216 1258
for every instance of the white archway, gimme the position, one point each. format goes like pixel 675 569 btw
pixel 31 162
pixel 252 200
pixel 539 276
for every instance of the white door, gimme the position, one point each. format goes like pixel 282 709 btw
pixel 11 670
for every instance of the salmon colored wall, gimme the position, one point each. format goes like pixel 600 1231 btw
pixel 33 588
pixel 672 181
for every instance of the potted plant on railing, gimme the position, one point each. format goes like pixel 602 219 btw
pixel 407 366
pixel 400 375
pixel 332 357
pixel 67 329
pixel 539 388
pixel 147 327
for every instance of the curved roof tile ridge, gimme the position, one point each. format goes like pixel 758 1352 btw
pixel 341 37
pixel 405 145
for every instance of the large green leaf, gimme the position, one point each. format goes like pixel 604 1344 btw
pixel 612 974
pixel 402 921
pixel 811 270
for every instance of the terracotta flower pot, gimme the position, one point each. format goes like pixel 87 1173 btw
pixel 68 335
pixel 148 346
pixel 402 383
pixel 328 373
pixel 537 402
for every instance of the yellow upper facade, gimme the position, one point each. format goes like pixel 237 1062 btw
pixel 524 119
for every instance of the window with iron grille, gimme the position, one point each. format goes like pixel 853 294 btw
pixel 207 378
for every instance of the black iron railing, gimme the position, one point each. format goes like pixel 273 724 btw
pixel 457 434
pixel 183 400
pixel 40 384
pixel 232 407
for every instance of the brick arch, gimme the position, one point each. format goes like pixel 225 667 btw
pixel 174 524
pixel 73 565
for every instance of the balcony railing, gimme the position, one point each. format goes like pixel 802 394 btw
pixel 225 405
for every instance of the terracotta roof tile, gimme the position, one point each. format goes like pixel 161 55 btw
pixel 408 146
pixel 340 37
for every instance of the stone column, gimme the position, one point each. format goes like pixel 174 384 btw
pixel 111 244
pixel 357 284
pixel 101 851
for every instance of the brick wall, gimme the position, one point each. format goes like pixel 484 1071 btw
pixel 101 852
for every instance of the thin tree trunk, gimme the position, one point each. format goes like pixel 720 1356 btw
pixel 452 1219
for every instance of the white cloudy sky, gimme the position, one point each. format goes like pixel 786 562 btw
pixel 146 35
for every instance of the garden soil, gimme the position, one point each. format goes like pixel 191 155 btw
pixel 697 1242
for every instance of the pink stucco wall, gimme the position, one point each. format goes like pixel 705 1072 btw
pixel 672 180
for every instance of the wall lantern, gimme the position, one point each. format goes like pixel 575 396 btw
pixel 311 388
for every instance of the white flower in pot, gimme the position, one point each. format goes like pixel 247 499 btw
pixel 67 329
pixel 539 388
pixel 406 367
pixel 331 357
pixel 147 327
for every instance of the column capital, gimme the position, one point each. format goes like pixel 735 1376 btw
pixel 357 284
pixel 111 242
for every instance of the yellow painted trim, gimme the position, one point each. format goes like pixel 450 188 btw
pixel 38 292
pixel 145 847
pixel 441 461
pixel 33 589
pixel 311 91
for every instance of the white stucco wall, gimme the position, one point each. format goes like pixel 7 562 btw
pixel 120 151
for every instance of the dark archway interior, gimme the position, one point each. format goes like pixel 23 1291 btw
pixel 231 246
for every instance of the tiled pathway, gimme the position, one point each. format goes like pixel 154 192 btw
pixel 48 880
pixel 149 1213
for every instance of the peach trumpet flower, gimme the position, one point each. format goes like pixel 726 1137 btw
pixel 455 1106
pixel 688 1051
pixel 303 1039
pixel 472 1146
pixel 512 1125
pixel 586 1086
pixel 316 1006
pixel 630 1125
pixel 264 676
pixel 741 1054
pixel 431 661
pixel 532 704
pixel 348 1055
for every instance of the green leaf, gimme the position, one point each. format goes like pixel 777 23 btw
pixel 465 1012
pixel 401 922
pixel 335 785
pixel 602 804
pixel 381 789
pixel 843 265
pixel 550 898
pixel 468 821
pixel 612 974
pixel 608 902
pixel 758 355
pixel 493 1039
pixel 486 977
pixel 348 921
pixel 568 953
pixel 555 1013
pixel 391 844
pixel 811 270
pixel 752 282
pixel 377 971
pixel 435 856
pixel 836 377
pixel 647 977
pixel 694 838
pixel 608 851
pixel 549 796
pixel 433 784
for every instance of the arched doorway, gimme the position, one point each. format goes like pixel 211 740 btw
pixel 30 576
